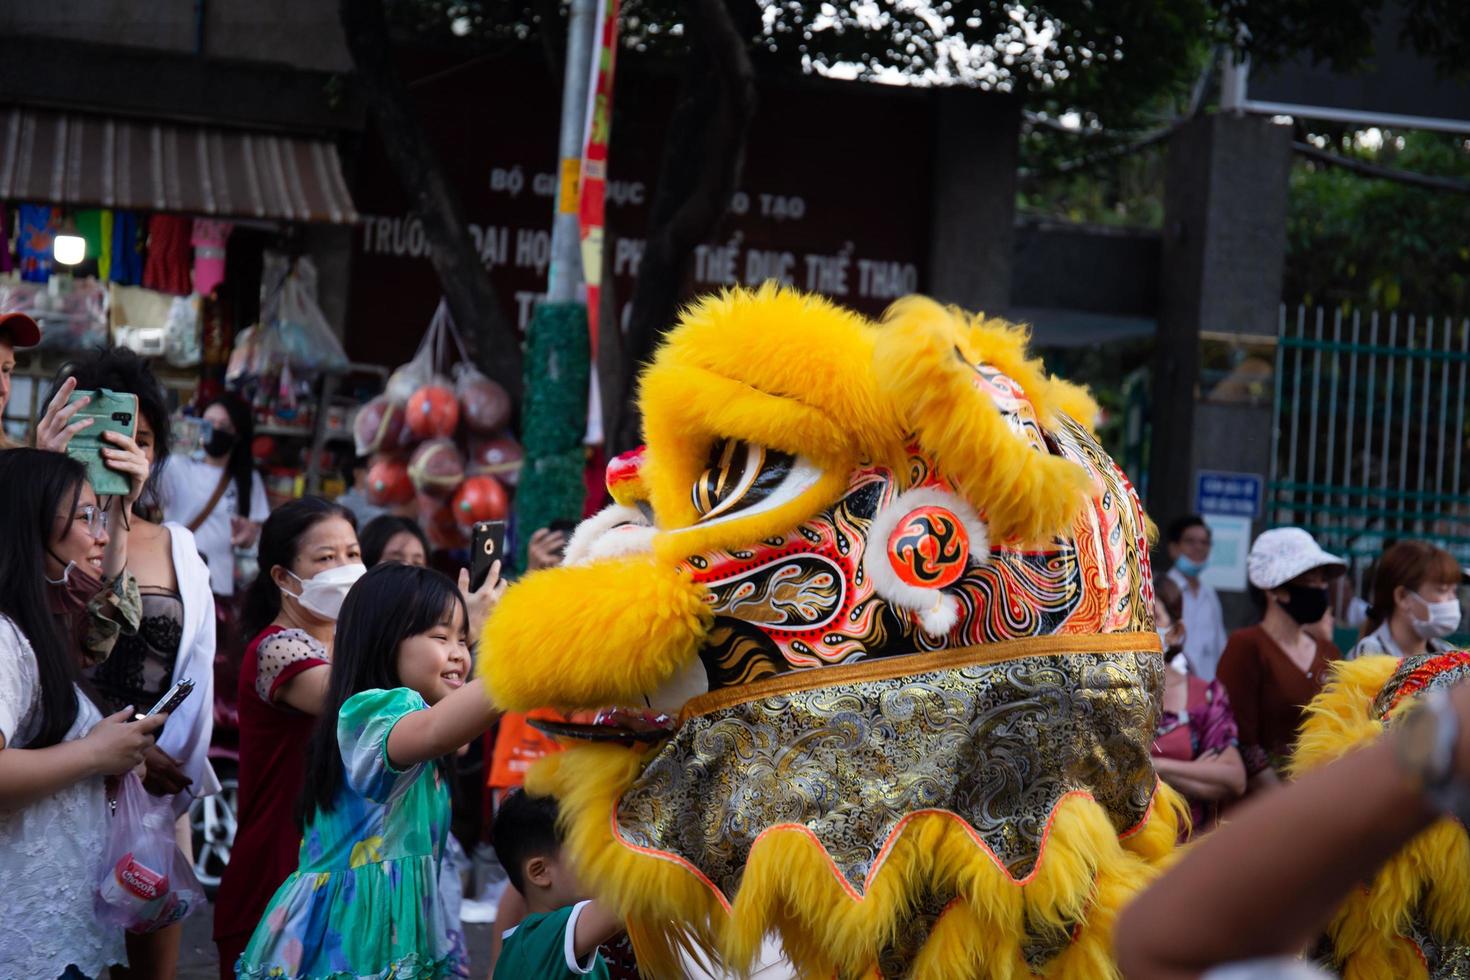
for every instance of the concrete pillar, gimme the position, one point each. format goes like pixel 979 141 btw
pixel 973 201
pixel 1221 269
pixel 1221 272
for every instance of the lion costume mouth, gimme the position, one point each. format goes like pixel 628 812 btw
pixel 875 610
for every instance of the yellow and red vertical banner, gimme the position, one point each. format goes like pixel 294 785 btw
pixel 591 202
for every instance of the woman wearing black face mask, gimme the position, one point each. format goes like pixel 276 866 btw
pixel 222 499
pixel 1272 670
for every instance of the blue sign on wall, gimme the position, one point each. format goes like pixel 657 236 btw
pixel 1234 494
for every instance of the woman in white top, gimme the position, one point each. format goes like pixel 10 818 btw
pixel 1415 602
pixel 222 499
pixel 55 746
pixel 174 641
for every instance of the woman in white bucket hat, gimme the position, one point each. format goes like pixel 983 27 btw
pixel 1273 669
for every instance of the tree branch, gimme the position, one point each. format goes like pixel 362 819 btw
pixel 492 339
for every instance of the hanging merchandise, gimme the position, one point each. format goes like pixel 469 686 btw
pixel 480 498
pixel 38 225
pixel 433 411
pixel 95 227
pixel 436 468
pixel 380 426
pixel 209 239
pixel 498 456
pixel 419 430
pixel 72 312
pixel 167 268
pixel 182 332
pixel 127 248
pixel 388 482
pixel 486 404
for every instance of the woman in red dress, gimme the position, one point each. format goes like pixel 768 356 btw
pixel 309 558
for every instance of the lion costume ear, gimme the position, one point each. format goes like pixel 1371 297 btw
pixel 982 411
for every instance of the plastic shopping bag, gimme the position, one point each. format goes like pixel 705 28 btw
pixel 146 882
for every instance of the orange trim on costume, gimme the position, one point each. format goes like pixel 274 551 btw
pixel 908 665
pixel 888 844
pixel 672 858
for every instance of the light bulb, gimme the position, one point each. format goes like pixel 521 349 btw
pixel 69 249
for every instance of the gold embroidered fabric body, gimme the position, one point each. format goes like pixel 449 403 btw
pixel 997 744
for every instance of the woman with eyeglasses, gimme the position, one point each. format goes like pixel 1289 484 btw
pixel 175 639
pixel 56 748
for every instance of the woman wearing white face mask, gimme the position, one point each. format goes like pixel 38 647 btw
pixel 1196 745
pixel 309 559
pixel 1415 602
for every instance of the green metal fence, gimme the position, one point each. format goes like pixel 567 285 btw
pixel 1370 430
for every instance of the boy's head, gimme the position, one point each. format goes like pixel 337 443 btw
pixel 528 842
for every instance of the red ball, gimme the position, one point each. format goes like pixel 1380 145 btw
pixel 480 498
pixel 436 517
pixel 436 467
pixel 380 426
pixel 433 412
pixel 500 457
pixel 485 404
pixel 388 482
pixel 262 448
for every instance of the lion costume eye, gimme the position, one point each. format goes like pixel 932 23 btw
pixel 744 478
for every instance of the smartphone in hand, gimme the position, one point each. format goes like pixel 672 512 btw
pixel 487 546
pixel 110 411
pixel 171 699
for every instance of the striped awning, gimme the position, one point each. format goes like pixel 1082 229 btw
pixel 99 161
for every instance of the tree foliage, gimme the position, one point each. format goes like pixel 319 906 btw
pixel 1363 241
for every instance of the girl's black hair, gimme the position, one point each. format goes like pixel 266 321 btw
pixel 241 465
pixel 36 486
pixel 280 544
pixel 388 605
pixel 122 370
pixel 377 532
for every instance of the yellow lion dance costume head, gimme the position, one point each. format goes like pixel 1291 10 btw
pixel 894 603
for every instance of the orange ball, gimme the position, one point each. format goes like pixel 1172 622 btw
pixel 480 498
pixel 388 482
pixel 433 412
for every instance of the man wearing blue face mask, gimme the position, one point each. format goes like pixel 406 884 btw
pixel 1189 543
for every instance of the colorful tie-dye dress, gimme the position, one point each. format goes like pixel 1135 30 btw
pixel 364 900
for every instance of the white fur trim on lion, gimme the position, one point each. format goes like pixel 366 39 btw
pixel 613 532
pixel 938 613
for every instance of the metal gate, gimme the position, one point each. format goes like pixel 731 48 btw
pixel 1370 437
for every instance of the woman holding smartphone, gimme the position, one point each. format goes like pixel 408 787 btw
pixel 174 641
pixel 56 747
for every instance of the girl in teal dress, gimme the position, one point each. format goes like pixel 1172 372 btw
pixel 364 900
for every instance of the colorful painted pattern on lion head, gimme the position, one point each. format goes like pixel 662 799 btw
pixel 895 602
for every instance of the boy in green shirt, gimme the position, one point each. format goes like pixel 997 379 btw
pixel 561 932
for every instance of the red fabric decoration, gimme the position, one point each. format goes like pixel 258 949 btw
pixel 168 255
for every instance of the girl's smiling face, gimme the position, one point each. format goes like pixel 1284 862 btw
pixel 437 663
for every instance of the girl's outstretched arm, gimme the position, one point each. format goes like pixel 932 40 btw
pixel 423 735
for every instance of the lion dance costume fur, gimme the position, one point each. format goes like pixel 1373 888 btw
pixel 895 602
pixel 1412 920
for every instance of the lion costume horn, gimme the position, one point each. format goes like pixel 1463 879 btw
pixel 891 602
